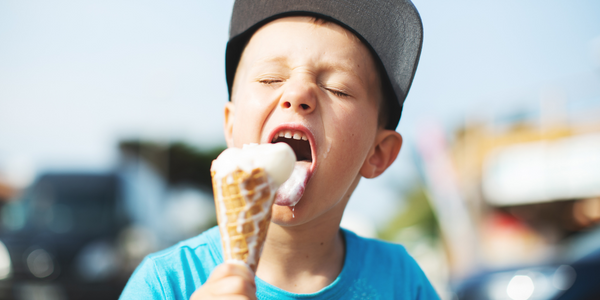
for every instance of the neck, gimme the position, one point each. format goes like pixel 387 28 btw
pixel 308 257
pixel 300 261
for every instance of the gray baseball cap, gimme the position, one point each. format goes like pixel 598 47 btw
pixel 391 29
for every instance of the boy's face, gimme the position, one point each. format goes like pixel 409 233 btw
pixel 318 85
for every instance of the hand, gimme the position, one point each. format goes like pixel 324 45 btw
pixel 228 281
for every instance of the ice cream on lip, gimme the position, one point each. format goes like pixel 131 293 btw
pixel 303 142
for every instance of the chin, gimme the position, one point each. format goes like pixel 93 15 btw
pixel 283 216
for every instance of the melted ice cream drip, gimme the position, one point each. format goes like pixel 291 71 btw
pixel 291 191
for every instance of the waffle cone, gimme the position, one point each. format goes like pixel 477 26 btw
pixel 243 203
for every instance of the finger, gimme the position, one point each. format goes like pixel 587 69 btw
pixel 230 269
pixel 233 285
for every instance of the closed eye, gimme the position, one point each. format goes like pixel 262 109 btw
pixel 337 93
pixel 270 81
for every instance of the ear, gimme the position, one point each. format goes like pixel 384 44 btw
pixel 384 152
pixel 228 125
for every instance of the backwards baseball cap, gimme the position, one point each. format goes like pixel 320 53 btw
pixel 391 30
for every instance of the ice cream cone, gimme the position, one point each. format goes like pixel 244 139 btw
pixel 243 202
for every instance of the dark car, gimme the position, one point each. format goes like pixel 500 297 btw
pixel 60 240
pixel 570 280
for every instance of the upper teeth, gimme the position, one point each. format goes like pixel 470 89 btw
pixel 288 134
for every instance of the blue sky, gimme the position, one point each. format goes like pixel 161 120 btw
pixel 481 55
pixel 77 76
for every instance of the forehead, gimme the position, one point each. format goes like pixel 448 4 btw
pixel 304 40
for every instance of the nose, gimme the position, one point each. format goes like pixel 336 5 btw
pixel 300 96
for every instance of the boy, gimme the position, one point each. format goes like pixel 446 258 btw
pixel 329 78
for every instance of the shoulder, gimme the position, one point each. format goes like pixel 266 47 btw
pixel 205 247
pixel 178 270
pixel 389 267
pixel 202 251
pixel 376 249
pixel 373 252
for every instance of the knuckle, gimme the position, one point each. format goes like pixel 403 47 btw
pixel 232 269
pixel 221 271
pixel 242 287
pixel 228 268
pixel 238 284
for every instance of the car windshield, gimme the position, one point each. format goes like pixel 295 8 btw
pixel 71 206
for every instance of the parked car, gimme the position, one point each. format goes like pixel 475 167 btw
pixel 61 240
pixel 568 279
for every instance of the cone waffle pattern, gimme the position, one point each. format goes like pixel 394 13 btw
pixel 243 203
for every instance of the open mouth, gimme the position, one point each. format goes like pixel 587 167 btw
pixel 301 140
pixel 298 141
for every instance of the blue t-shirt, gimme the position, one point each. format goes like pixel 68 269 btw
pixel 372 270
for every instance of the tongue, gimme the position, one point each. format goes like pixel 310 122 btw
pixel 290 192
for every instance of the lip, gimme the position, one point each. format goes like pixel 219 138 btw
pixel 311 139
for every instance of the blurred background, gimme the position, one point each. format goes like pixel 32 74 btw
pixel 111 111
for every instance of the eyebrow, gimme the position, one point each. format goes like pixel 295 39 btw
pixel 344 67
pixel 275 59
pixel 347 67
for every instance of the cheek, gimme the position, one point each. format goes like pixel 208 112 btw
pixel 353 131
pixel 245 128
pixel 250 117
pixel 357 126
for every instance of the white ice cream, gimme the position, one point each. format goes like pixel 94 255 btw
pixel 277 160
